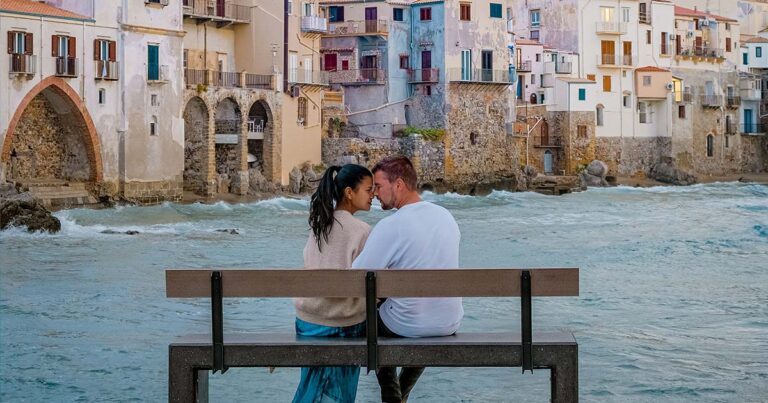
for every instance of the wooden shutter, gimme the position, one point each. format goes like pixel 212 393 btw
pixel 10 42
pixel 96 49
pixel 112 51
pixel 72 44
pixel 55 45
pixel 29 43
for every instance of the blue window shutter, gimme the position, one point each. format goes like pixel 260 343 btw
pixel 745 58
pixel 496 10
pixel 582 94
pixel 759 51
pixel 153 62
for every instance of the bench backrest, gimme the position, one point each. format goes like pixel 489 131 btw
pixel 239 283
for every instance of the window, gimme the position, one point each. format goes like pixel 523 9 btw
pixel 645 112
pixel 646 81
pixel 153 126
pixel 534 36
pixel 727 142
pixel 154 100
pixel 606 83
pixel 290 7
pixel 581 131
pixel 465 11
pixel 397 14
pixel 428 90
pixel 648 36
pixel 533 78
pixel 626 100
pixel 63 46
pixel 425 14
pixel 335 13
pixel 473 138
pixel 745 58
pixel 591 77
pixel 710 145
pixel 307 9
pixel 758 51
pixel 185 58
pixel 160 2
pixel 538 57
pixel 582 94
pixel 664 43
pixel 466 64
pixel 599 115
pixel 535 18
pixel 606 14
pixel 153 62
pixel 496 10
pixel 681 112
pixel 404 62
pixel 727 26
pixel 727 44
pixel 625 14
pixel 345 64
pixel 302 118
pixel 20 43
pixel 102 96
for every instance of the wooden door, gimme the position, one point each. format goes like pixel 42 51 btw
pixel 426 65
pixel 371 19
pixel 329 62
pixel 608 52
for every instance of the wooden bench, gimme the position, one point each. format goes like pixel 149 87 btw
pixel 191 357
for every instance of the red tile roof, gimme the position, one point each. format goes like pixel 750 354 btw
pixel 37 8
pixel 687 12
pixel 651 68
pixel 757 39
pixel 523 41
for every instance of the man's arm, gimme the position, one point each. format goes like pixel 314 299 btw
pixel 379 249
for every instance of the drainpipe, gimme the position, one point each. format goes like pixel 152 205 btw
pixel 121 130
pixel 285 47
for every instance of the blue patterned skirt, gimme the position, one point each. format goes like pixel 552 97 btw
pixel 328 384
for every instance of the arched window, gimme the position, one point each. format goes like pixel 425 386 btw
pixel 153 126
pixel 710 145
pixel 599 115
pixel 533 99
pixel 544 133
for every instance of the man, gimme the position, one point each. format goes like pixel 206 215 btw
pixel 419 235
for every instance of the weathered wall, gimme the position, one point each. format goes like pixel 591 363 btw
pixel 630 156
pixel 195 146
pixel 424 110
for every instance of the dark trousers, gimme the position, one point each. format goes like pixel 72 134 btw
pixel 394 388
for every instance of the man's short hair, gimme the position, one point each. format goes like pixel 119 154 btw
pixel 397 166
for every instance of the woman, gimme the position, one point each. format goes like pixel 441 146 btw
pixel 336 239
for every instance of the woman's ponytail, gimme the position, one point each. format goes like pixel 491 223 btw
pixel 322 205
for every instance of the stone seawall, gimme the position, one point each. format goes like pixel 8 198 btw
pixel 629 156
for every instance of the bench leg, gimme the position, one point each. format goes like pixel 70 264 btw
pixel 186 383
pixel 564 379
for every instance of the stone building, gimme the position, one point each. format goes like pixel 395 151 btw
pixel 69 76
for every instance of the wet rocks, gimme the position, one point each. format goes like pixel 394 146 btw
pixel 595 174
pixel 129 232
pixel 27 212
pixel 258 183
pixel 230 231
pixel 668 173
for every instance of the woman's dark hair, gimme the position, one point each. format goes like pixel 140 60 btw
pixel 330 191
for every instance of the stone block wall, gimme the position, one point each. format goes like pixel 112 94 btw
pixel 754 153
pixel 154 192
pixel 631 156
pixel 195 147
pixel 426 111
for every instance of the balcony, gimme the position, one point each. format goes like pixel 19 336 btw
pixel 644 17
pixel 563 68
pixel 549 67
pixel 733 101
pixel 314 24
pixel 220 12
pixel 711 101
pixel 21 64
pixel 730 128
pixel 193 78
pixel 107 70
pixel 701 52
pixel 524 66
pixel 157 73
pixel 628 60
pixel 66 66
pixel 684 96
pixel 225 79
pixel 752 128
pixel 615 61
pixel 356 77
pixel 480 76
pixel 546 141
pixel 417 76
pixel 751 94
pixel 359 28
pixel 307 77
pixel 611 27
pixel 548 81
pixel 259 81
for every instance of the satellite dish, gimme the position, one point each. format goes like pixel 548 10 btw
pixel 251 157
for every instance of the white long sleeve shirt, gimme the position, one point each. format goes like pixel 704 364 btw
pixel 420 235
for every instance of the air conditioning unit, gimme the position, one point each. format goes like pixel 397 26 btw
pixel 670 86
pixel 672 37
pixel 690 34
pixel 295 91
pixel 704 23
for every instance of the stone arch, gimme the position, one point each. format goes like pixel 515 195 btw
pixel 228 147
pixel 197 150
pixel 533 99
pixel 262 146
pixel 72 112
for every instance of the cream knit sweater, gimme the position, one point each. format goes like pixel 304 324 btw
pixel 345 242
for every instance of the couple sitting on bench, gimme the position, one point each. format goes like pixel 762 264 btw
pixel 419 235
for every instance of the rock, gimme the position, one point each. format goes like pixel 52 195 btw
pixel 129 232
pixel 294 180
pixel 222 183
pixel 530 171
pixel 28 213
pixel 230 231
pixel 668 173
pixel 588 180
pixel 258 183
pixel 597 168
pixel 311 179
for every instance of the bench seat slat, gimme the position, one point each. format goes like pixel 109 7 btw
pixel 266 283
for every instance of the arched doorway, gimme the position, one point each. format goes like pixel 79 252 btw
pixel 228 128
pixel 533 99
pixel 260 137
pixel 548 162
pixel 544 131
pixel 196 145
pixel 51 137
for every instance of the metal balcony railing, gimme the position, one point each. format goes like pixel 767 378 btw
pixel 359 76
pixel 303 76
pixel 431 75
pixel 66 66
pixel 713 101
pixel 480 76
pixel 611 27
pixel 367 27
pixel 22 64
pixel 627 60
pixel 684 96
pixel 107 70
pixel 314 24
pixel 700 51
pixel 214 10
pixel 262 81
pixel 226 79
pixel 524 66
pixel 157 72
pixel 752 128
pixel 195 77
pixel 644 17
pixel 563 68
pixel 606 59
pixel 733 101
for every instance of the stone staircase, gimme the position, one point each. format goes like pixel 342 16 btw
pixel 57 193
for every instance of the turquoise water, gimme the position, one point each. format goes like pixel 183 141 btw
pixel 673 305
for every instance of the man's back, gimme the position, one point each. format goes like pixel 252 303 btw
pixel 418 236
